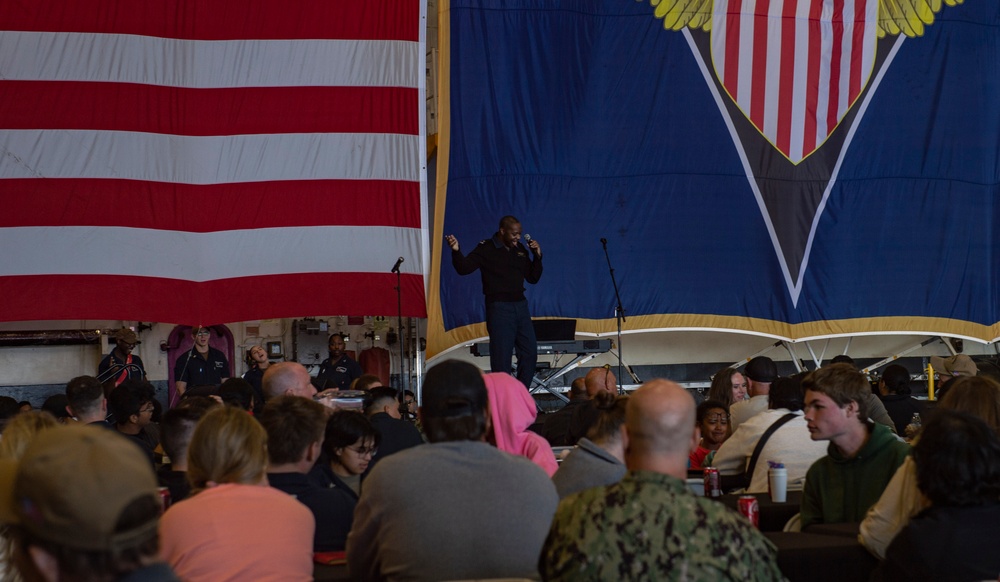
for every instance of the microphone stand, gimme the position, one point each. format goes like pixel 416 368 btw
pixel 187 361
pixel 619 314
pixel 403 383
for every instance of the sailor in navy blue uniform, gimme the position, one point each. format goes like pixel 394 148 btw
pixel 202 365
pixel 339 370
pixel 504 265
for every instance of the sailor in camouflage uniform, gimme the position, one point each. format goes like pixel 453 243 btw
pixel 650 526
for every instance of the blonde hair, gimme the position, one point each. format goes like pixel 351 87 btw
pixel 20 431
pixel 227 446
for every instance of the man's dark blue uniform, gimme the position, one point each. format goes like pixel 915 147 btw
pixel 196 370
pixel 338 373
pixel 504 265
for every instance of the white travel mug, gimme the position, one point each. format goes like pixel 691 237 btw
pixel 777 484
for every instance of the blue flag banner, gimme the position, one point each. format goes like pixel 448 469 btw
pixel 822 168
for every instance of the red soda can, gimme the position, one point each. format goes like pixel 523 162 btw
pixel 164 499
pixel 713 486
pixel 749 509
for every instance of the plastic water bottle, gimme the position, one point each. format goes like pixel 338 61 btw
pixel 914 427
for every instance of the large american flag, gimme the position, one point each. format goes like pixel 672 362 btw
pixel 210 160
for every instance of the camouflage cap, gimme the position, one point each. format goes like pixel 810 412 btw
pixel 126 335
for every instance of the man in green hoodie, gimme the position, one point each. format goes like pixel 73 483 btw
pixel 862 456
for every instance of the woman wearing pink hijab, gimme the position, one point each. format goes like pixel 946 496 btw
pixel 512 410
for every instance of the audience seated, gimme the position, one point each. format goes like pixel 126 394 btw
pixel 512 410
pixel 950 369
pixel 175 434
pixel 760 373
pixel 350 443
pixel 862 455
pixel 409 408
pixel 728 386
pixel 239 393
pixel 203 403
pixel 456 508
pixel 56 405
pixel 650 526
pixel 844 359
pixel 597 380
pixel 894 389
pixel 555 426
pixel 876 409
pixel 712 419
pixel 8 410
pixel 789 444
pixel 902 499
pixel 382 409
pixel 21 430
pixel 958 470
pixel 599 457
pixel 366 382
pixel 132 405
pixel 295 429
pixel 81 504
pixel 234 527
pixel 85 401
pixel 287 379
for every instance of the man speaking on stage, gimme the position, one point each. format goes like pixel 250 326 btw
pixel 504 266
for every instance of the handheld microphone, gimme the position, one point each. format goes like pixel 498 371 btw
pixel 395 268
pixel 604 241
pixel 527 238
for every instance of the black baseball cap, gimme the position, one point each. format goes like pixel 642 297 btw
pixel 453 388
pixel 761 369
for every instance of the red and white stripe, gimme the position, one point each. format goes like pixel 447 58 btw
pixel 210 160
pixel 794 67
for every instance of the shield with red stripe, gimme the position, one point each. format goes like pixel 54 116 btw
pixel 794 67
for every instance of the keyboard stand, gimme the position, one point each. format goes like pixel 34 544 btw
pixel 583 350
pixel 541 380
